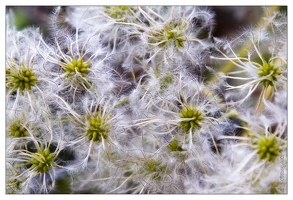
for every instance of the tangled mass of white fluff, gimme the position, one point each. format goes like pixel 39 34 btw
pixel 129 99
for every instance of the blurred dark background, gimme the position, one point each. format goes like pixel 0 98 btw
pixel 36 16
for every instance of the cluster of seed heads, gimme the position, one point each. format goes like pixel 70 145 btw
pixel 175 127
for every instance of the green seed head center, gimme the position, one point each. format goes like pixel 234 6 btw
pixel 23 79
pixel 43 161
pixel 270 72
pixel 98 128
pixel 174 146
pixel 76 66
pixel 155 169
pixel 118 12
pixel 191 118
pixel 170 34
pixel 165 81
pixel 268 148
pixel 17 130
